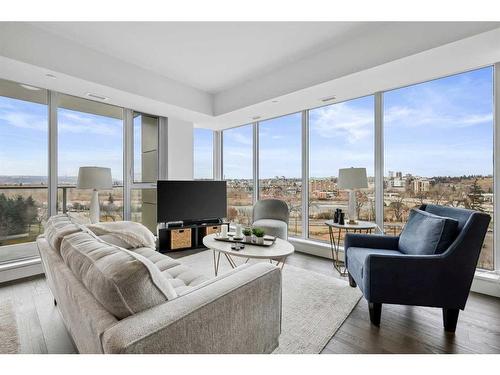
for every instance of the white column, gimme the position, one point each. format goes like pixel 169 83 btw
pixel 180 149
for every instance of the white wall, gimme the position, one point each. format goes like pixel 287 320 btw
pixel 180 149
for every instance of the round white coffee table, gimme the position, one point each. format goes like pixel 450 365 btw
pixel 277 252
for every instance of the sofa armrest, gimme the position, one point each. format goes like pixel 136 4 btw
pixel 424 280
pixel 372 241
pixel 240 313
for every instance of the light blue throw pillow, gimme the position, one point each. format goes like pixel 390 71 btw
pixel 426 233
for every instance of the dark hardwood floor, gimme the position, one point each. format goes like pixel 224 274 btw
pixel 403 329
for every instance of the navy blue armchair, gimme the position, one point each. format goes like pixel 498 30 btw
pixel 386 275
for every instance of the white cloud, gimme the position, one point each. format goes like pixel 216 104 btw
pixel 25 120
pixel 342 121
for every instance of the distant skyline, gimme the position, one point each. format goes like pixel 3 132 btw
pixel 438 128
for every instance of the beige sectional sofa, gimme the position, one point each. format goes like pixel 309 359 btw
pixel 118 300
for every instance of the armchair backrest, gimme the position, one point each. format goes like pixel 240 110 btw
pixel 275 209
pixel 465 250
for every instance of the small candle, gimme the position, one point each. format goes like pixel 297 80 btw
pixel 223 231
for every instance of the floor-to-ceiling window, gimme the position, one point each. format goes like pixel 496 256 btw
pixel 439 149
pixel 89 134
pixel 203 154
pixel 23 168
pixel 280 165
pixel 238 172
pixel 340 136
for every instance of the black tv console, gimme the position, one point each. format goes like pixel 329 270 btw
pixel 188 236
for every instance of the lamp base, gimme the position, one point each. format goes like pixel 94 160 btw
pixel 352 207
pixel 94 207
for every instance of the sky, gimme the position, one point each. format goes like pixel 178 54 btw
pixel 83 139
pixel 440 127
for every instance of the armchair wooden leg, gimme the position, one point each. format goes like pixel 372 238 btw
pixel 351 281
pixel 450 318
pixel 55 302
pixel 375 312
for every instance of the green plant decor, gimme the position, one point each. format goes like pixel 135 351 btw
pixel 258 232
pixel 247 232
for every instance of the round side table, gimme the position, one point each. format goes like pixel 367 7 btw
pixel 359 227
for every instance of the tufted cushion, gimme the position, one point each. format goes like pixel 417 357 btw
pixel 181 277
pixel 57 227
pixel 124 282
pixel 426 233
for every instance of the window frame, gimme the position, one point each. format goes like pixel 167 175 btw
pixel 379 157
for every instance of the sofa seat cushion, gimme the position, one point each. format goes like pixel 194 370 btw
pixel 59 226
pixel 356 257
pixel 427 234
pixel 123 281
pixel 276 228
pixel 181 277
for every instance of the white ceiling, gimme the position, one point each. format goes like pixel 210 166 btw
pixel 219 75
pixel 210 56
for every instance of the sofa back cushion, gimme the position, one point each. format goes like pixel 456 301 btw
pixel 124 282
pixel 426 233
pixel 59 226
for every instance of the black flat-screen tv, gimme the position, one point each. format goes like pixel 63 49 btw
pixel 191 201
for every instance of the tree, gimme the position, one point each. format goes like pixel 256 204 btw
pixel 398 208
pixel 361 199
pixel 232 213
pixel 438 193
pixel 475 197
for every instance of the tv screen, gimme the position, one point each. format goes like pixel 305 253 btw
pixel 191 200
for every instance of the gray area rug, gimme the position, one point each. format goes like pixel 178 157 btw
pixel 314 305
pixel 9 338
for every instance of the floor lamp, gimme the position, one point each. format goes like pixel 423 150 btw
pixel 352 179
pixel 95 178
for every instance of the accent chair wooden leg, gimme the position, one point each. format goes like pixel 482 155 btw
pixel 450 318
pixel 351 281
pixel 375 312
pixel 55 302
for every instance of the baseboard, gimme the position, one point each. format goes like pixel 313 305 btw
pixel 21 269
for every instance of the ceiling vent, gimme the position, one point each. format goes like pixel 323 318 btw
pixel 95 96
pixel 329 98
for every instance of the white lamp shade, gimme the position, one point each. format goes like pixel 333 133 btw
pixel 352 178
pixel 98 178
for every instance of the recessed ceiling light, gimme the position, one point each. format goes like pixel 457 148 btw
pixel 327 99
pixel 28 87
pixel 95 96
pixel 48 75
pixel 255 117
